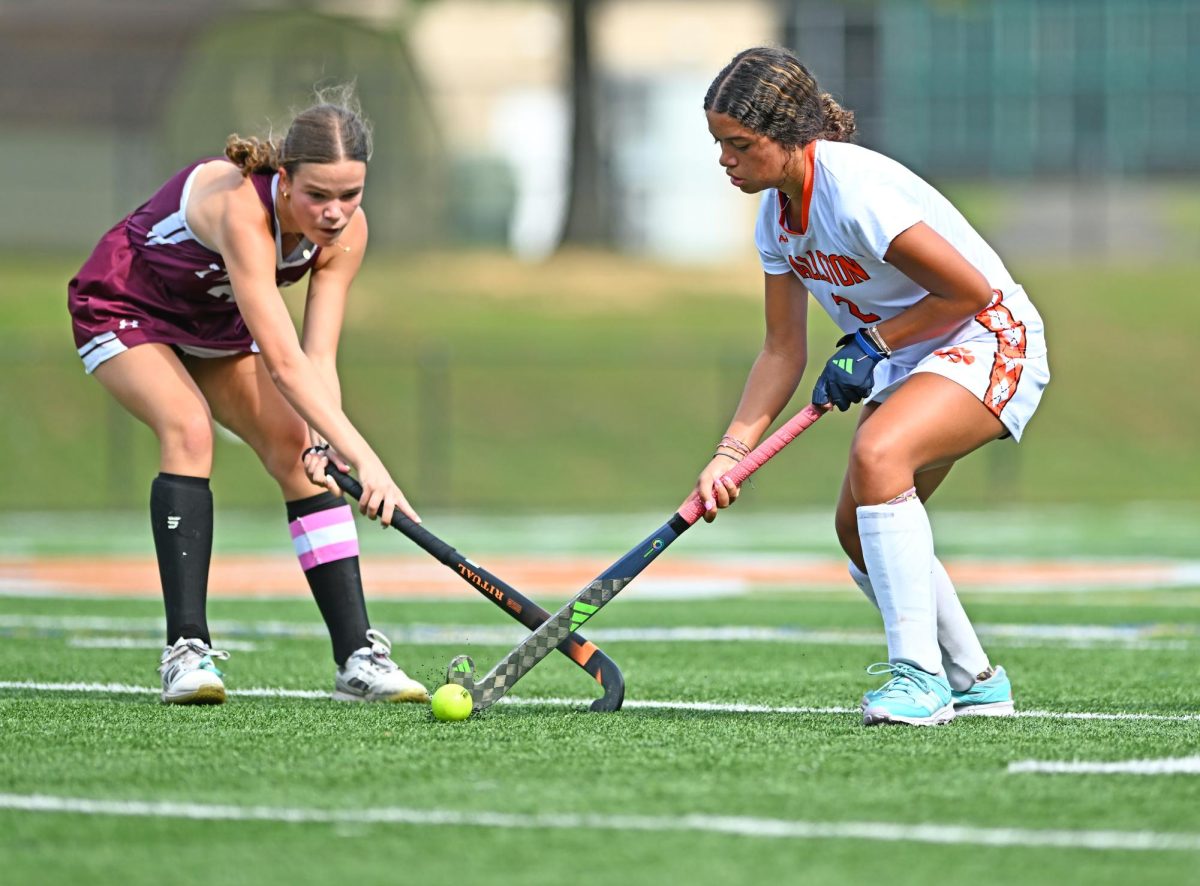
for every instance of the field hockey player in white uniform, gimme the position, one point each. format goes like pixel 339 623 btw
pixel 943 348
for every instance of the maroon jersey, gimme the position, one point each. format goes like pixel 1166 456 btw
pixel 150 279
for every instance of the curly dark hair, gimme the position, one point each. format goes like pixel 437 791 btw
pixel 768 91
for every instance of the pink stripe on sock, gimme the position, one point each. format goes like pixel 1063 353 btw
pixel 328 553
pixel 321 519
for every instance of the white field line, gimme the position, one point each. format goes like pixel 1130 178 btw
pixel 1146 636
pixel 147 643
pixel 739 826
pixel 648 704
pixel 1165 766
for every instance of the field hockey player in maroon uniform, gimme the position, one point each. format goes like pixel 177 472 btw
pixel 178 314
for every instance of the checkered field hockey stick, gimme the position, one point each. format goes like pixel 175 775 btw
pixel 583 652
pixel 487 691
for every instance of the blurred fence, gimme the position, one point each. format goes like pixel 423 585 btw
pixel 537 432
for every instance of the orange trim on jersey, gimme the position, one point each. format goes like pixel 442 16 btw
pixel 1010 350
pixel 810 168
pixel 810 151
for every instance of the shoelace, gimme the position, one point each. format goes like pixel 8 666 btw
pixel 906 677
pixel 381 651
pixel 196 647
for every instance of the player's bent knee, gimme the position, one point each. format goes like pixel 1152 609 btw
pixel 281 455
pixel 872 456
pixel 187 438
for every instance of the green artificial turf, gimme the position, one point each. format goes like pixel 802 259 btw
pixel 535 765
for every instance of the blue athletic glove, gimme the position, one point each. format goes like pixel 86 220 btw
pixel 847 376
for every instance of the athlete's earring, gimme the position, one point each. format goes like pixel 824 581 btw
pixel 287 195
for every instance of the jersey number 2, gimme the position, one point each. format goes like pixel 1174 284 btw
pixel 854 309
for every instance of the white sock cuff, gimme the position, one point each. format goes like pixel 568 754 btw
pixel 908 515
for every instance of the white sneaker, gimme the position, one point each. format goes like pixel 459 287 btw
pixel 370 675
pixel 189 675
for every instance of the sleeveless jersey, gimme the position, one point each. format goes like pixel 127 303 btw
pixel 150 279
pixel 160 237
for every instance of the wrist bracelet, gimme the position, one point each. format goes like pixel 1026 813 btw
pixel 726 454
pixel 735 444
pixel 872 333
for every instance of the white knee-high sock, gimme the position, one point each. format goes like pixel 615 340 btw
pixel 962 654
pixel 963 658
pixel 897 545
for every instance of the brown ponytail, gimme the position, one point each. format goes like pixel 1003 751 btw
pixel 333 128
pixel 251 155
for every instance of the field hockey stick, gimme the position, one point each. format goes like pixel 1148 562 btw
pixel 583 652
pixel 585 604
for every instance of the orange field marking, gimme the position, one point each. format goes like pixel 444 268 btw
pixel 276 576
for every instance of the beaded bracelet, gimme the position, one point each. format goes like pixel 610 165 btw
pixel 735 444
pixel 877 340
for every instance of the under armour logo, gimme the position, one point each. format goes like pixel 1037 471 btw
pixel 129 324
pixel 173 521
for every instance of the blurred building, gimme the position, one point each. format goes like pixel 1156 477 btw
pixel 101 98
pixel 496 73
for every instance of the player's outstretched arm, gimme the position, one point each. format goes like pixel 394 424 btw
pixel 772 380
pixel 242 237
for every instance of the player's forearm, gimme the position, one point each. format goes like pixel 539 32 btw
pixel 930 317
pixel 957 290
pixel 770 385
pixel 327 368
pixel 305 388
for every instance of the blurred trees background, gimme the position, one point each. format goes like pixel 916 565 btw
pixel 557 266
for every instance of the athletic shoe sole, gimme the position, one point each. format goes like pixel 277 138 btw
pixel 995 709
pixel 882 718
pixel 415 696
pixel 208 694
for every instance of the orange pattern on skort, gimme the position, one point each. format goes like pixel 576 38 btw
pixel 1010 351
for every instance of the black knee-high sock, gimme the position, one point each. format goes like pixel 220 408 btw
pixel 336 585
pixel 181 517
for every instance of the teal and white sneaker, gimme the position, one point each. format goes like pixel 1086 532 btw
pixel 991 697
pixel 189 675
pixel 911 696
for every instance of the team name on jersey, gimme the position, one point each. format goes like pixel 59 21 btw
pixel 836 269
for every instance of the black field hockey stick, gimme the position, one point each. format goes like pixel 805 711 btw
pixel 583 652
pixel 487 691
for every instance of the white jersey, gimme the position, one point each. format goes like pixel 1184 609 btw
pixel 855 202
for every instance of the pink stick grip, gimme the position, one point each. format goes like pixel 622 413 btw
pixel 693 508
